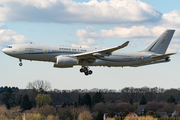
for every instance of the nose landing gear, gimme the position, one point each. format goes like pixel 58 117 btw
pixel 86 70
pixel 20 64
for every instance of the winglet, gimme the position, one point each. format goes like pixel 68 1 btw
pixel 119 47
pixel 125 44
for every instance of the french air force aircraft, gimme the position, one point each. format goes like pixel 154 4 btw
pixel 65 57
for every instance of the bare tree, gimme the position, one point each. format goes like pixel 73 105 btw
pixel 85 115
pixel 100 107
pixel 153 106
pixel 169 107
pixel 39 85
pixel 120 107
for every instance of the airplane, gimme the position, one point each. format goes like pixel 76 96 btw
pixel 66 57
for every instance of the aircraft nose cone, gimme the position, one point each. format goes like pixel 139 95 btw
pixel 3 50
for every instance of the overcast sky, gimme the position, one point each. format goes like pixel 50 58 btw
pixel 89 23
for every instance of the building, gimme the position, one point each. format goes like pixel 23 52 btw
pixel 162 114
pixel 132 115
pixel 141 110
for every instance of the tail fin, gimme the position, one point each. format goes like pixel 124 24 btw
pixel 160 44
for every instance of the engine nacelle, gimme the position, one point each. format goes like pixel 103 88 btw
pixel 64 61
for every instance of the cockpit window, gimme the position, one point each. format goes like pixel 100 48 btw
pixel 9 46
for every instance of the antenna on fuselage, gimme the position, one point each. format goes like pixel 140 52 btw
pixel 96 47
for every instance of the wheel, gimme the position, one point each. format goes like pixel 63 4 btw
pixel 86 73
pixel 81 70
pixel 90 72
pixel 20 64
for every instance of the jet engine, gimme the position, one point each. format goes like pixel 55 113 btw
pixel 65 62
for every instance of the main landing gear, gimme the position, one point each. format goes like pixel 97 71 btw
pixel 86 71
pixel 20 64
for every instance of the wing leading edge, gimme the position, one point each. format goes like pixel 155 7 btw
pixel 98 53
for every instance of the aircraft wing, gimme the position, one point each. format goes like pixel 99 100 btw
pixel 161 56
pixel 98 53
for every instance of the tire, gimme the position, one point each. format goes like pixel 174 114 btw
pixel 86 73
pixel 20 64
pixel 90 72
pixel 81 70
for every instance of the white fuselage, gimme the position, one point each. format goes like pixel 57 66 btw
pixel 49 53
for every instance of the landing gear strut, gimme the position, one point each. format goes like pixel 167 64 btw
pixel 20 64
pixel 86 70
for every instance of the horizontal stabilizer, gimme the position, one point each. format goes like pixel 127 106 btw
pixel 161 56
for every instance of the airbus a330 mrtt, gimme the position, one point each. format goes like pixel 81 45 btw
pixel 65 57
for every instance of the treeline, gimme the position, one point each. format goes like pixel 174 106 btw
pixel 39 98
pixel 128 94
pixel 124 95
pixel 3 89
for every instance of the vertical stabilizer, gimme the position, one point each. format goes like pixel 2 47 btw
pixel 160 44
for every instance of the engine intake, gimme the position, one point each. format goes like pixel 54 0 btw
pixel 65 61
